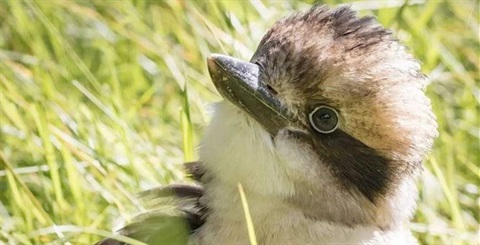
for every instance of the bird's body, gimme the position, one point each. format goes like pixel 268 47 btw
pixel 325 129
pixel 236 149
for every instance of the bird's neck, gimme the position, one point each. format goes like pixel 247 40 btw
pixel 236 149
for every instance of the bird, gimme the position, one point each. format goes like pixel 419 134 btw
pixel 325 129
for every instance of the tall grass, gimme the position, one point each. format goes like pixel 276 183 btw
pixel 102 99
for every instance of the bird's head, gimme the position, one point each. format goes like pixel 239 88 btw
pixel 340 105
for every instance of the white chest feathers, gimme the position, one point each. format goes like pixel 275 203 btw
pixel 236 149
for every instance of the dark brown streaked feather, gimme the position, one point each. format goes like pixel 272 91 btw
pixel 195 170
pixel 177 190
pixel 357 166
pixel 158 226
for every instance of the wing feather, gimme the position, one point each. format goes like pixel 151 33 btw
pixel 175 212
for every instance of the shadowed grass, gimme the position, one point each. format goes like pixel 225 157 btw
pixel 99 101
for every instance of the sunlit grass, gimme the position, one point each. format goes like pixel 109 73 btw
pixel 100 100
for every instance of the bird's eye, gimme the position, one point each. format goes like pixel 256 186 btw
pixel 324 119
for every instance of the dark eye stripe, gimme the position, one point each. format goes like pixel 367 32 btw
pixel 357 165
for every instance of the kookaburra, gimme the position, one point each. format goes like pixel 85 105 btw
pixel 325 128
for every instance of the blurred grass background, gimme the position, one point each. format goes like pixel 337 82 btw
pixel 102 99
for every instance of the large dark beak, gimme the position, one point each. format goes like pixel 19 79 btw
pixel 240 83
